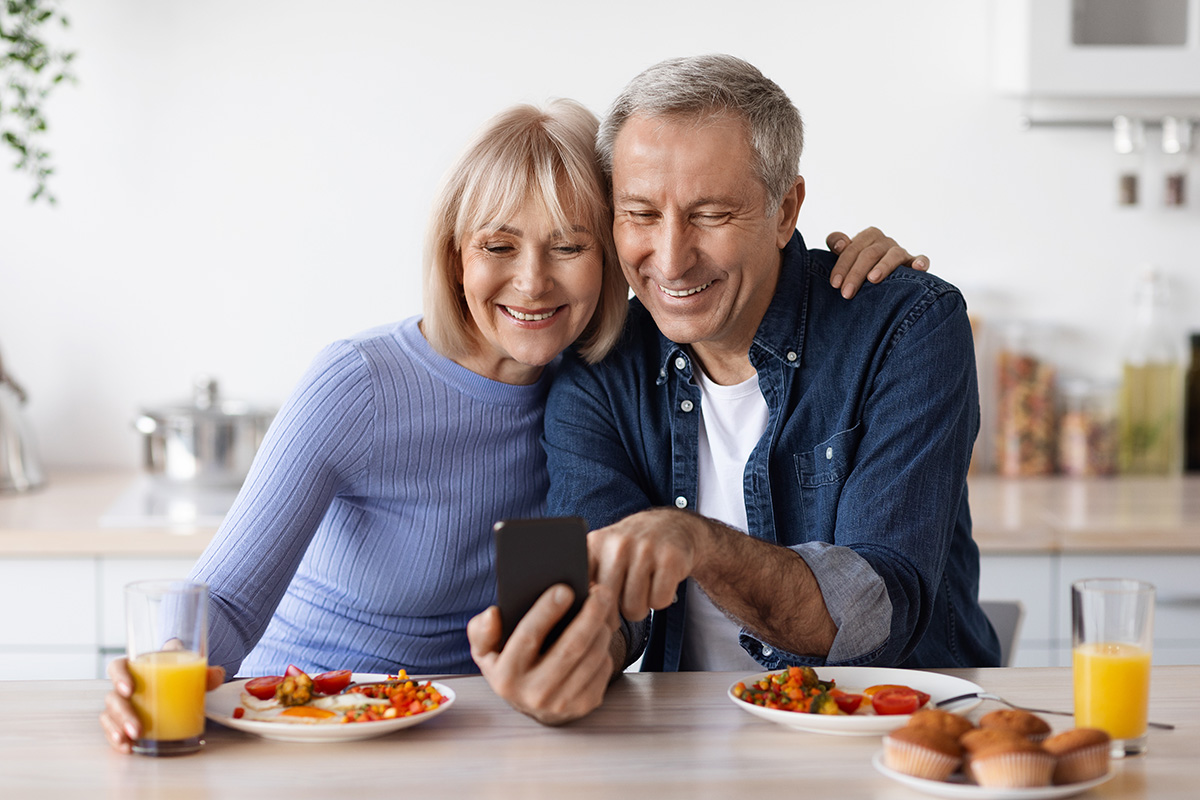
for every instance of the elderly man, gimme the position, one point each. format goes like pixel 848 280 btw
pixel 776 476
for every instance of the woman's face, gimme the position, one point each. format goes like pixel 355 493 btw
pixel 531 289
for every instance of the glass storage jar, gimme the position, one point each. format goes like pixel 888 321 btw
pixel 1087 428
pixel 1026 422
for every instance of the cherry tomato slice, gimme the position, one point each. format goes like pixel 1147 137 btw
pixel 263 688
pixel 848 703
pixel 293 670
pixel 332 682
pixel 895 700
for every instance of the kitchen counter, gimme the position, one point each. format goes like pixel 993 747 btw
pixel 64 518
pixel 659 735
pixel 1031 515
pixel 1077 515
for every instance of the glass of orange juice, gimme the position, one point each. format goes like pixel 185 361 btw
pixel 167 647
pixel 1112 635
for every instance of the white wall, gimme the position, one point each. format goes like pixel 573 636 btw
pixel 241 181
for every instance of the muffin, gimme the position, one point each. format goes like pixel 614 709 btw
pixel 1028 725
pixel 939 720
pixel 977 739
pixel 1082 753
pixel 921 752
pixel 1013 764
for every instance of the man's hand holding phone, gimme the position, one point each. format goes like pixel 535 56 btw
pixel 568 679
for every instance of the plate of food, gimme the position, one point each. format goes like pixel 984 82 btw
pixel 959 787
pixel 331 707
pixel 848 701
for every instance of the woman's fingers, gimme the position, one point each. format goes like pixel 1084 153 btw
pixel 215 677
pixel 869 256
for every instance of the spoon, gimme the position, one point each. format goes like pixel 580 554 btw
pixel 989 696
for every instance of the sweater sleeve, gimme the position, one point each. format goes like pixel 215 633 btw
pixel 317 445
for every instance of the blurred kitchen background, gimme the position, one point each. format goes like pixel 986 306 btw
pixel 239 183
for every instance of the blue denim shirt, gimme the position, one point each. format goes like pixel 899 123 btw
pixel 873 409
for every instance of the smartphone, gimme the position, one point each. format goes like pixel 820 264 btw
pixel 531 556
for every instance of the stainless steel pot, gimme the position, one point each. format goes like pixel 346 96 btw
pixel 210 441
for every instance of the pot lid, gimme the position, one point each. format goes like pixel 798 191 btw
pixel 206 403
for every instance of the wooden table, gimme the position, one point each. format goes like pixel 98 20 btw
pixel 657 736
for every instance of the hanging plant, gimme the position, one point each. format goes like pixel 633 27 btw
pixel 29 70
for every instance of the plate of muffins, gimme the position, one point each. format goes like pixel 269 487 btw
pixel 1010 754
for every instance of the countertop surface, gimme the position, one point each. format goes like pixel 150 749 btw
pixel 657 735
pixel 73 515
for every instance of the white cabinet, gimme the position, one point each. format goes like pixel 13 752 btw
pixel 1043 585
pixel 1097 48
pixel 49 621
pixel 64 617
pixel 1177 597
pixel 1025 578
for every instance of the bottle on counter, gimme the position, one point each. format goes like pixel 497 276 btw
pixel 1150 418
pixel 1192 421
pixel 1026 423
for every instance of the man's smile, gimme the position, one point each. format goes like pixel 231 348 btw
pixel 683 292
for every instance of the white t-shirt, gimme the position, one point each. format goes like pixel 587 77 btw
pixel 732 421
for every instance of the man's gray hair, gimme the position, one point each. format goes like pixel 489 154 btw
pixel 699 86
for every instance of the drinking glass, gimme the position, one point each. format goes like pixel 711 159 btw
pixel 167 647
pixel 1112 634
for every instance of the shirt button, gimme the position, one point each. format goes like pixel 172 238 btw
pixel 686 405
pixel 767 651
pixel 681 502
pixel 680 362
pixel 791 355
pixel 829 454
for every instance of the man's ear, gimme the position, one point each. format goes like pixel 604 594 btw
pixel 789 212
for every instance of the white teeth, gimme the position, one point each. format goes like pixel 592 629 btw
pixel 685 292
pixel 529 317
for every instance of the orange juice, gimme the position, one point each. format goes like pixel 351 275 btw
pixel 1112 688
pixel 168 694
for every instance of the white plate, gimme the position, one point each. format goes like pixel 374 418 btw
pixel 855 679
pixel 220 703
pixel 969 791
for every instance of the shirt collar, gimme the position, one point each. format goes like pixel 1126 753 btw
pixel 781 332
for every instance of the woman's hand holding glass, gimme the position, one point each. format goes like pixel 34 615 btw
pixel 119 720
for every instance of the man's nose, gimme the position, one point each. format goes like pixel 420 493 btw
pixel 675 250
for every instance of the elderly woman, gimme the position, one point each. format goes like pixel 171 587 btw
pixel 361 538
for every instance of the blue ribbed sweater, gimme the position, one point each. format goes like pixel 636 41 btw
pixel 362 534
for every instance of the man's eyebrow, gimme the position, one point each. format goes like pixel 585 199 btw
pixel 629 197
pixel 710 200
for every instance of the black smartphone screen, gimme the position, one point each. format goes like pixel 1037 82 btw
pixel 531 556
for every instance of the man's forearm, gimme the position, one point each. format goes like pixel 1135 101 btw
pixel 768 588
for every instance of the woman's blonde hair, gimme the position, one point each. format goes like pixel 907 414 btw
pixel 524 154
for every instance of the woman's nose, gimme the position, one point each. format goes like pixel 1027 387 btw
pixel 533 278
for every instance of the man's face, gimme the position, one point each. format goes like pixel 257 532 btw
pixel 696 240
